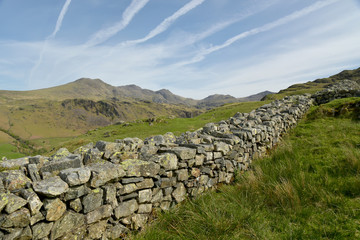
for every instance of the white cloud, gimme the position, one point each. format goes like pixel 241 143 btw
pixel 106 33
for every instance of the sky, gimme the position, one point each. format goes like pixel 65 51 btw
pixel 194 48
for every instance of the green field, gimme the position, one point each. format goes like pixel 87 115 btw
pixel 308 188
pixel 143 129
pixel 9 151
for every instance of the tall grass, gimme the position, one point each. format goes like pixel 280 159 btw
pixel 308 188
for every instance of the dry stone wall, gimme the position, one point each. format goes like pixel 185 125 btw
pixel 104 190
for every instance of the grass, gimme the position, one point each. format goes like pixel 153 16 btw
pixel 143 129
pixel 10 151
pixel 308 188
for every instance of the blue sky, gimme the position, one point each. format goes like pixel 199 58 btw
pixel 194 48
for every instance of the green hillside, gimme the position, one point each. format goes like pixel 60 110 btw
pixel 308 188
pixel 316 85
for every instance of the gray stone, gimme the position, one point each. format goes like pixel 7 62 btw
pixel 14 203
pixel 75 176
pixel 168 161
pixel 110 195
pixel 147 183
pixel 96 230
pixel 105 172
pixel 179 193
pixel 168 182
pixel 76 205
pixel 157 196
pixel 139 220
pixel 55 209
pixel 66 224
pixel 183 152
pixel 20 218
pixel 203 179
pixel 199 160
pixel 109 148
pixel 93 156
pixel 129 196
pixel 51 187
pixel 36 218
pixel 145 208
pixel 41 230
pixel 14 164
pixel 182 175
pixel 34 202
pixel 61 164
pixel 14 234
pixel 117 231
pixel 145 196
pixel 98 214
pixel 126 209
pixel 4 199
pixel 93 200
pixel 128 188
pixel 138 168
pixel 132 180
pixel 26 234
pixel 165 206
pixel 14 179
pixel 76 192
pixel 222 147
pixel 60 154
pixel 34 172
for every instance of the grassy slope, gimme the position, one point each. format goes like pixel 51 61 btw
pixel 307 189
pixel 142 129
pixel 314 86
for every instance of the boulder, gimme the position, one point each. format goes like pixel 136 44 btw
pixel 14 164
pixel 66 224
pixel 55 209
pixel 183 152
pixel 145 196
pixel 41 230
pixel 168 161
pixel 60 164
pixel 18 219
pixel 126 209
pixel 102 212
pixel 14 203
pixel 179 193
pixel 93 200
pixel 14 179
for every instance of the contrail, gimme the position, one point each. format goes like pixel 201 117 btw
pixel 305 11
pixel 164 25
pixel 105 34
pixel 51 36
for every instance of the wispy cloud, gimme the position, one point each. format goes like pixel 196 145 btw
pixel 298 14
pixel 51 36
pixel 164 25
pixel 104 34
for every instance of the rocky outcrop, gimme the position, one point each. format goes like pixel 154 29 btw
pixel 105 190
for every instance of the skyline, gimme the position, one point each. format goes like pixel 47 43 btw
pixel 194 48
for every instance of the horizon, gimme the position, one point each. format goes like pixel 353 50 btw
pixel 194 48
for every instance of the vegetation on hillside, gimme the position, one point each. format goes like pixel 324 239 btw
pixel 314 86
pixel 308 188
pixel 148 127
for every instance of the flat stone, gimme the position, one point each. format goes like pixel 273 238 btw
pixel 93 156
pixel 147 183
pixel 195 172
pixel 138 168
pixel 75 176
pixel 105 172
pixel 41 230
pixel 59 165
pixel 76 192
pixel 128 188
pixel 93 200
pixel 34 172
pixel 60 154
pixel 132 180
pixel 179 193
pixel 66 224
pixel 98 214
pixel 36 218
pixel 183 152
pixel 109 148
pixel 14 203
pixel 14 179
pixel 126 209
pixel 117 231
pixel 55 209
pixel 51 187
pixel 18 219
pixel 145 196
pixel 14 164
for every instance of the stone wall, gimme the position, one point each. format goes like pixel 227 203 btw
pixel 106 189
